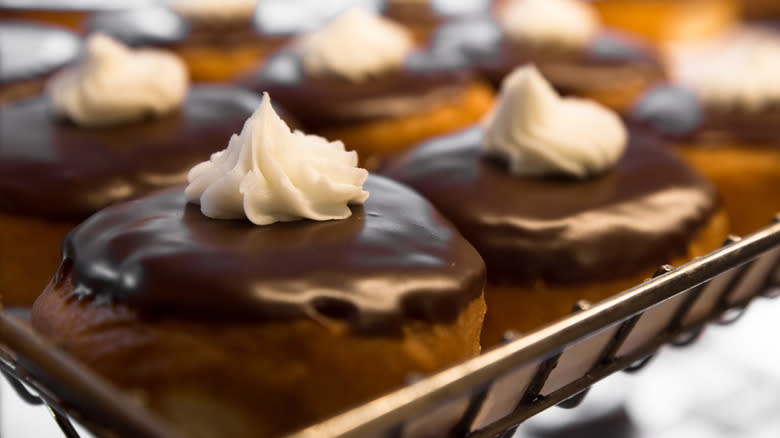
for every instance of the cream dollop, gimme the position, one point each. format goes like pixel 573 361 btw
pixel 355 45
pixel 116 84
pixel 268 174
pixel 568 23
pixel 539 133
pixel 741 70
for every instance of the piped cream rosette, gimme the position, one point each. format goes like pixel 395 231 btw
pixel 269 174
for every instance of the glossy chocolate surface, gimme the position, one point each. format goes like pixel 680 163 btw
pixel 609 59
pixel 394 259
pixel 676 112
pixel 28 50
pixel 327 101
pixel 53 168
pixel 533 229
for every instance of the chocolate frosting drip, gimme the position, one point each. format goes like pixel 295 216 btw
pixel 395 258
pixel 563 231
pixel 676 112
pixel 51 167
pixel 321 102
pixel 28 50
pixel 611 57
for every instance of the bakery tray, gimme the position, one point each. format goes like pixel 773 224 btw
pixel 487 396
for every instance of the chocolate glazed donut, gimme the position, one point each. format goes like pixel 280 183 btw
pixel 431 94
pixel 531 237
pixel 255 324
pixel 737 149
pixel 550 242
pixel 54 168
pixel 322 102
pixel 613 69
pixel 53 174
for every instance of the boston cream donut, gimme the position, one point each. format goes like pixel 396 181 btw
pixel 120 125
pixel 726 120
pixel 566 41
pixel 283 285
pixel 563 202
pixel 360 79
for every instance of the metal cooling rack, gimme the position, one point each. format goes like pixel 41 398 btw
pixel 487 396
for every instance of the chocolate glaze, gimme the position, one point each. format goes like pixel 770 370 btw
pixel 394 259
pixel 28 50
pixel 609 59
pixel 319 102
pixel 54 168
pixel 759 128
pixel 675 111
pixel 532 229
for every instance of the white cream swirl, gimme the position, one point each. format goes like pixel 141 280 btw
pixel 355 45
pixel 268 174
pixel 539 133
pixel 116 84
pixel 568 23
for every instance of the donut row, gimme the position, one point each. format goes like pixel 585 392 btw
pixel 256 232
